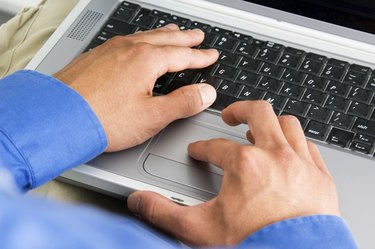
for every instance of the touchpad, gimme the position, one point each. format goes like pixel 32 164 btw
pixel 169 160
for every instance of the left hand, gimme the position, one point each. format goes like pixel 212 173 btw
pixel 117 79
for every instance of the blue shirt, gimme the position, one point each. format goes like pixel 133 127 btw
pixel 47 128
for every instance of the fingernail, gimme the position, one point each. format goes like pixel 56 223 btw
pixel 208 94
pixel 134 203
pixel 171 26
pixel 197 31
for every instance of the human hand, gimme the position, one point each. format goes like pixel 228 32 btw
pixel 117 80
pixel 280 176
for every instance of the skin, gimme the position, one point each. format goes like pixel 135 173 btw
pixel 277 176
pixel 117 79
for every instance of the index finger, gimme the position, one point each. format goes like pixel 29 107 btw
pixel 261 119
pixel 174 59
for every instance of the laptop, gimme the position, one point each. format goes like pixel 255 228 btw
pixel 312 59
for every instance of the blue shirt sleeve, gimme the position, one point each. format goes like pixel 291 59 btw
pixel 47 128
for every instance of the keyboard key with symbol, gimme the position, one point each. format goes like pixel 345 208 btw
pixel 340 137
pixel 316 130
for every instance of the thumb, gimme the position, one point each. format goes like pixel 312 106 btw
pixel 189 100
pixel 156 210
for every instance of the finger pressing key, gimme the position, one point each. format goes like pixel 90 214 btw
pixel 261 119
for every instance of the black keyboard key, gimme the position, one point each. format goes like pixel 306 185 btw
pixel 355 78
pixel 241 37
pixel 249 93
pixel 187 76
pixel 361 95
pixel 226 72
pixel 160 23
pixel 337 63
pixel 247 78
pixel 365 139
pixel 292 91
pixel 340 137
pixel 225 43
pixel 160 14
pixel 174 85
pixel 258 43
pixel 373 101
pixel 311 66
pixel 291 75
pixel 208 79
pixel 103 36
pixel 144 19
pixel 199 25
pixel 360 69
pixel 179 20
pixel 295 52
pixel 124 14
pixel 162 83
pixel 268 54
pixel 316 130
pixel 341 120
pixel 270 84
pixel 131 6
pixel 359 110
pixel 229 59
pixel 338 88
pixel 275 100
pixel 365 127
pixel 273 46
pixel 250 64
pixel 296 107
pixel 119 27
pixel 314 97
pixel 209 39
pixel 247 49
pixel 223 101
pixel 314 82
pixel 319 114
pixel 220 31
pixel 361 147
pixel 371 83
pixel 337 103
pixel 289 60
pixel 333 72
pixel 229 88
pixel 316 57
pixel 271 70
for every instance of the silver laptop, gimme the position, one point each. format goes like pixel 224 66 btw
pixel 312 59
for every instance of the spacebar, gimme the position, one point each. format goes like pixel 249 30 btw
pixel 222 101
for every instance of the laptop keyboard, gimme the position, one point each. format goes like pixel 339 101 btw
pixel 333 99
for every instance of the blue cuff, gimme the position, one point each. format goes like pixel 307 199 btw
pixel 309 232
pixel 46 127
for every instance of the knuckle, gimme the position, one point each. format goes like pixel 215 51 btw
pixel 289 119
pixel 143 47
pixel 285 154
pixel 148 211
pixel 117 40
pixel 243 155
pixel 262 105
pixel 189 99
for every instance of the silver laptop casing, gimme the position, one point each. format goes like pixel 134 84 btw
pixel 162 164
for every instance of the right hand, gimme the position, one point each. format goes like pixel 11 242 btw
pixel 280 176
